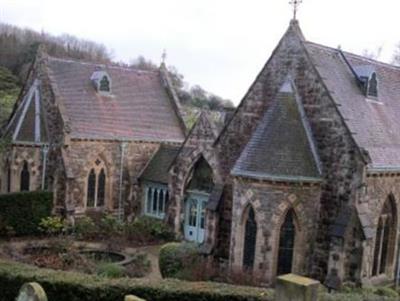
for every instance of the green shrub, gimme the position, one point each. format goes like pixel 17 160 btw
pixel 177 260
pixel 69 286
pixel 110 270
pixel 23 211
pixel 85 228
pixel 147 228
pixel 109 225
pixel 52 225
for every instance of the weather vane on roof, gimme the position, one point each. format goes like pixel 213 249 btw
pixel 295 4
pixel 164 56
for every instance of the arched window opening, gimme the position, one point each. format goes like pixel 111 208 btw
pixel 104 84
pixel 250 235
pixel 91 189
pixel 286 244
pixel 373 86
pixel 101 189
pixel 96 185
pixel 202 179
pixel 25 177
pixel 8 178
pixel 385 239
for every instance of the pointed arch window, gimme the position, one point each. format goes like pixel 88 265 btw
pixel 96 185
pixel 250 235
pixel 8 178
pixel 385 239
pixel 286 244
pixel 25 177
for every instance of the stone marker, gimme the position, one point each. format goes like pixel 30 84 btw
pixel 292 287
pixel 32 292
pixel 133 298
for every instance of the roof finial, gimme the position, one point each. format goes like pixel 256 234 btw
pixel 295 4
pixel 164 56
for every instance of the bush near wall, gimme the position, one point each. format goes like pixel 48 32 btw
pixel 177 260
pixel 21 212
pixel 69 286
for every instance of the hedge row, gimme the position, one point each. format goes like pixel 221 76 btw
pixel 70 286
pixel 21 212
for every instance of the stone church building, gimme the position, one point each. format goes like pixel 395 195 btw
pixel 303 177
pixel 86 130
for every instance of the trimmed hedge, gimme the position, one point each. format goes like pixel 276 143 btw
pixel 23 211
pixel 70 286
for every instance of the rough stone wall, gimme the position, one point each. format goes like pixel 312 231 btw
pixel 81 158
pixel 197 145
pixel 379 187
pixel 15 156
pixel 342 165
pixel 271 202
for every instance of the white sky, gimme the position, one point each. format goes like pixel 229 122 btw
pixel 218 44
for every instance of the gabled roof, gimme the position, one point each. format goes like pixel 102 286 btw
pixel 28 123
pixel 282 147
pixel 375 124
pixel 158 168
pixel 139 106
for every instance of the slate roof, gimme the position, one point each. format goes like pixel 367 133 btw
pixel 158 168
pixel 282 147
pixel 139 107
pixel 375 124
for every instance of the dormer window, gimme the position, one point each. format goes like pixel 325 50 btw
pixel 373 86
pixel 101 82
pixel 369 80
pixel 104 84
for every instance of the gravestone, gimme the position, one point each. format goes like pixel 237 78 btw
pixel 292 287
pixel 133 298
pixel 32 292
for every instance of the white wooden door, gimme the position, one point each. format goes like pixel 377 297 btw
pixel 195 218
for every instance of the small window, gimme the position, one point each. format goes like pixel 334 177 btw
pixel 104 84
pixel 25 177
pixel 373 86
pixel 156 198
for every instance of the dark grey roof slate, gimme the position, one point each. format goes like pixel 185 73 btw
pixel 158 168
pixel 375 124
pixel 281 147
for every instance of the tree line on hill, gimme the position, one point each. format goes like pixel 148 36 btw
pixel 18 48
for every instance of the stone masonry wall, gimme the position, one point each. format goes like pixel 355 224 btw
pixel 271 202
pixel 342 164
pixel 82 156
pixel 379 187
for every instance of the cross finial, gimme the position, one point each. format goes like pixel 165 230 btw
pixel 295 4
pixel 164 56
